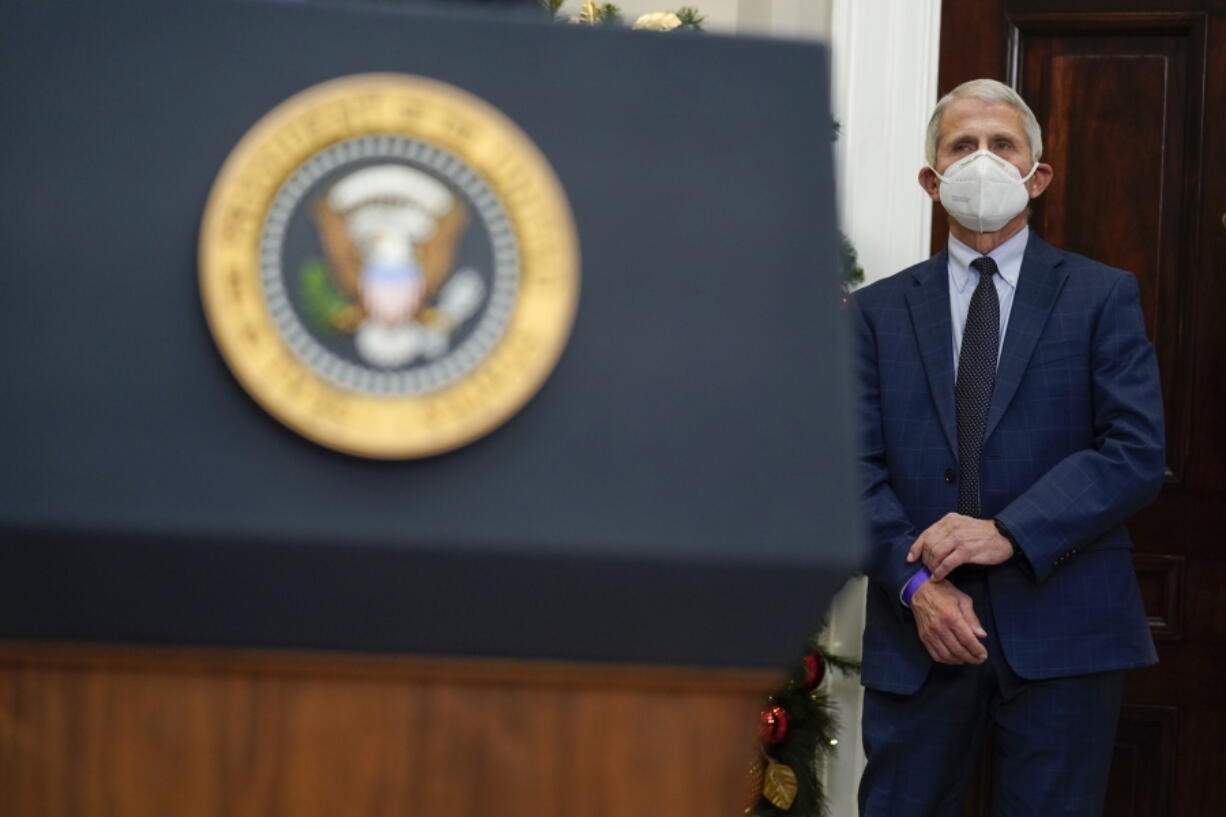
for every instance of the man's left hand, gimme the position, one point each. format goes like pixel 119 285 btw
pixel 957 540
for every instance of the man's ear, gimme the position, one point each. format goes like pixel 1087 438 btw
pixel 932 185
pixel 1038 182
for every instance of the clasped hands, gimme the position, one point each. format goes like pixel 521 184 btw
pixel 944 615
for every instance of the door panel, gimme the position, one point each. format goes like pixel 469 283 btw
pixel 1119 100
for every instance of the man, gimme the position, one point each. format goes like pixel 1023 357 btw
pixel 1012 422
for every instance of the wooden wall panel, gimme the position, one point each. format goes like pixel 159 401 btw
pixel 1160 577
pixel 1119 99
pixel 1143 764
pixel 199 733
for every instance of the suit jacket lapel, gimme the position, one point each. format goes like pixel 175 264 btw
pixel 928 301
pixel 1038 286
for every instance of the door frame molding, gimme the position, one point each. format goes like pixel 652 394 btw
pixel 882 104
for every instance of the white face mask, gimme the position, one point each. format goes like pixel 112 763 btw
pixel 983 191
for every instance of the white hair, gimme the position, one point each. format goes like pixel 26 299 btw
pixel 988 90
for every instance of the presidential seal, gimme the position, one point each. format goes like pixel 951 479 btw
pixel 388 265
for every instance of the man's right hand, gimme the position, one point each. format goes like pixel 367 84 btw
pixel 947 624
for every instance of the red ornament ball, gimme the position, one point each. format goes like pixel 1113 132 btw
pixel 773 725
pixel 815 670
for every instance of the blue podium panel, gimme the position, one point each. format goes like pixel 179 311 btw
pixel 678 491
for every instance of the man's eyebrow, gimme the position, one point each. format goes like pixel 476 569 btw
pixel 959 137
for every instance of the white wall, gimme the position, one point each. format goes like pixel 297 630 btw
pixel 884 81
pixel 884 67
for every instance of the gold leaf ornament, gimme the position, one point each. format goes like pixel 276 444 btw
pixel 657 21
pixel 589 14
pixel 779 785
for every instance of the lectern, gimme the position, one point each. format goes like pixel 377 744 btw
pixel 408 412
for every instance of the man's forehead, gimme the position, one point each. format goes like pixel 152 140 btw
pixel 974 116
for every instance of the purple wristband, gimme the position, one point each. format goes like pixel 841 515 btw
pixel 909 590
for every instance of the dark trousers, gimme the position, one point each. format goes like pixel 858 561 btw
pixel 1053 738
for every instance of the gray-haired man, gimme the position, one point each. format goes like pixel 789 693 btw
pixel 1012 422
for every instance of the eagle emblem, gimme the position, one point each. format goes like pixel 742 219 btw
pixel 389 265
pixel 389 235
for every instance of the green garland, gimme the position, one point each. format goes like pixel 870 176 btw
pixel 849 263
pixel 602 14
pixel 799 729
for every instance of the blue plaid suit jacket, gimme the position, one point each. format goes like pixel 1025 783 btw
pixel 1073 446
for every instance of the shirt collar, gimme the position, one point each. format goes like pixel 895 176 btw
pixel 1008 258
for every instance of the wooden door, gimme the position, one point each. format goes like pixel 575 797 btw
pixel 1131 95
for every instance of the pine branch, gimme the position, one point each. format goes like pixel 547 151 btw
pixel 812 725
pixel 853 273
pixel 810 738
pixel 592 13
pixel 690 18
pixel 609 14
pixel 847 666
pixel 552 6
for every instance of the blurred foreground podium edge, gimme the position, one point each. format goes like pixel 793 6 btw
pixel 407 412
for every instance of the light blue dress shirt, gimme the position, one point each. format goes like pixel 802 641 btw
pixel 963 280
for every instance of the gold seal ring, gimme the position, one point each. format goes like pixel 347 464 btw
pixel 389 265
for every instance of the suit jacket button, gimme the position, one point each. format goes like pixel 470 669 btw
pixel 950 475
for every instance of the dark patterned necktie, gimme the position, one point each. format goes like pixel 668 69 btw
pixel 976 376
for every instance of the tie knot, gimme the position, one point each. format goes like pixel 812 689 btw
pixel 985 266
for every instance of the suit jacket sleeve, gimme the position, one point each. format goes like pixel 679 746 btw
pixel 890 531
pixel 1094 490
